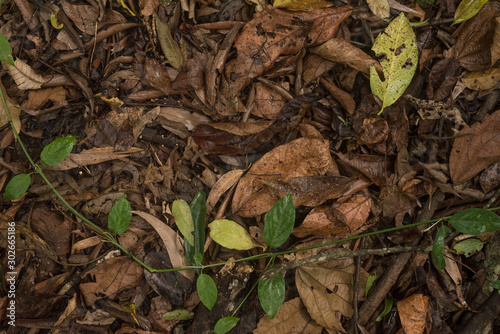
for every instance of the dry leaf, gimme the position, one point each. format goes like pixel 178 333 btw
pixel 475 148
pixel 341 51
pixel 301 157
pixel 380 8
pixel 413 313
pixel 328 292
pixel 223 184
pixel 291 318
pixel 482 80
pixel 24 76
pixel 170 48
pixel 171 241
pixel 301 4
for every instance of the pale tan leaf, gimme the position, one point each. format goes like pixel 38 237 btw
pixel 225 182
pixel 171 241
pixel 475 148
pixel 92 156
pixel 328 293
pixel 495 47
pixel 341 51
pixel 179 115
pixel 380 8
pixel 482 80
pixel 413 313
pixel 301 4
pixel 24 76
pixel 291 318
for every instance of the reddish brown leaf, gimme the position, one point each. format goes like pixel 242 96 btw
pixel 413 312
pixel 475 148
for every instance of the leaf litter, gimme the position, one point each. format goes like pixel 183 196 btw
pixel 251 101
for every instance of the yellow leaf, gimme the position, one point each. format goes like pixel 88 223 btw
pixel 184 219
pixel 54 22
pixel 380 8
pixel 126 7
pixel 230 234
pixel 301 4
pixel 467 9
pixel 397 49
pixel 482 80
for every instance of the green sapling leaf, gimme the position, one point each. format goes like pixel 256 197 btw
pixel 475 221
pixel 387 308
pixel 198 208
pixel 5 51
pixel 119 218
pixel 369 283
pixel 17 186
pixel 279 222
pixel 438 247
pixel 183 219
pixel 271 294
pixel 207 290
pixel 57 151
pixel 178 315
pixel 225 324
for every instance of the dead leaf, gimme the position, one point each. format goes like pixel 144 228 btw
pixel 157 75
pixel 24 76
pixel 482 80
pixel 301 4
pixel 84 17
pixel 170 48
pixel 413 313
pixel 380 8
pixel 301 157
pixel 341 51
pixel 171 241
pixel 327 293
pixel 495 47
pixel 111 277
pixel 91 157
pixel 475 38
pixel 53 228
pixel 475 148
pixel 291 318
pixel 222 185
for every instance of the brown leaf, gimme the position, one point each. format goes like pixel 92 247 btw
pixel 442 79
pixel 325 292
pixel 267 102
pixel 341 51
pixel 38 98
pixel 262 41
pixel 222 185
pixel 301 157
pixel 24 76
pixel 475 38
pixel 291 318
pixel 311 190
pixel 413 313
pixel 157 75
pixel 83 16
pixel 475 148
pixel 52 228
pixel 111 277
pixel 376 168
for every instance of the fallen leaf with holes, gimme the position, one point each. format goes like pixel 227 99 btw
pixel 475 148
pixel 299 158
pixel 328 292
pixel 291 318
pixel 112 277
pixel 413 313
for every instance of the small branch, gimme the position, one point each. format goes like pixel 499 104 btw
pixel 330 255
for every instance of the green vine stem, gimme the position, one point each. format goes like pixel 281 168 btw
pixel 115 243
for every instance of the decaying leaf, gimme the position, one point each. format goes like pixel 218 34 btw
pixel 325 292
pixel 222 185
pixel 380 8
pixel 482 80
pixel 397 48
pixel 291 318
pixel 169 46
pixel 301 4
pixel 301 157
pixel 24 76
pixel 413 312
pixel 475 148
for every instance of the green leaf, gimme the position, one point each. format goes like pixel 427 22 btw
pixel 272 294
pixel 467 9
pixel 178 315
pixel 387 308
pixel 5 51
pixel 17 186
pixel 198 208
pixel 468 246
pixel 397 49
pixel 438 247
pixel 279 222
pixel 495 284
pixel 170 48
pixel 119 218
pixel 207 290
pixel 57 151
pixel 475 221
pixel 369 283
pixel 231 235
pixel 225 324
pixel 183 219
